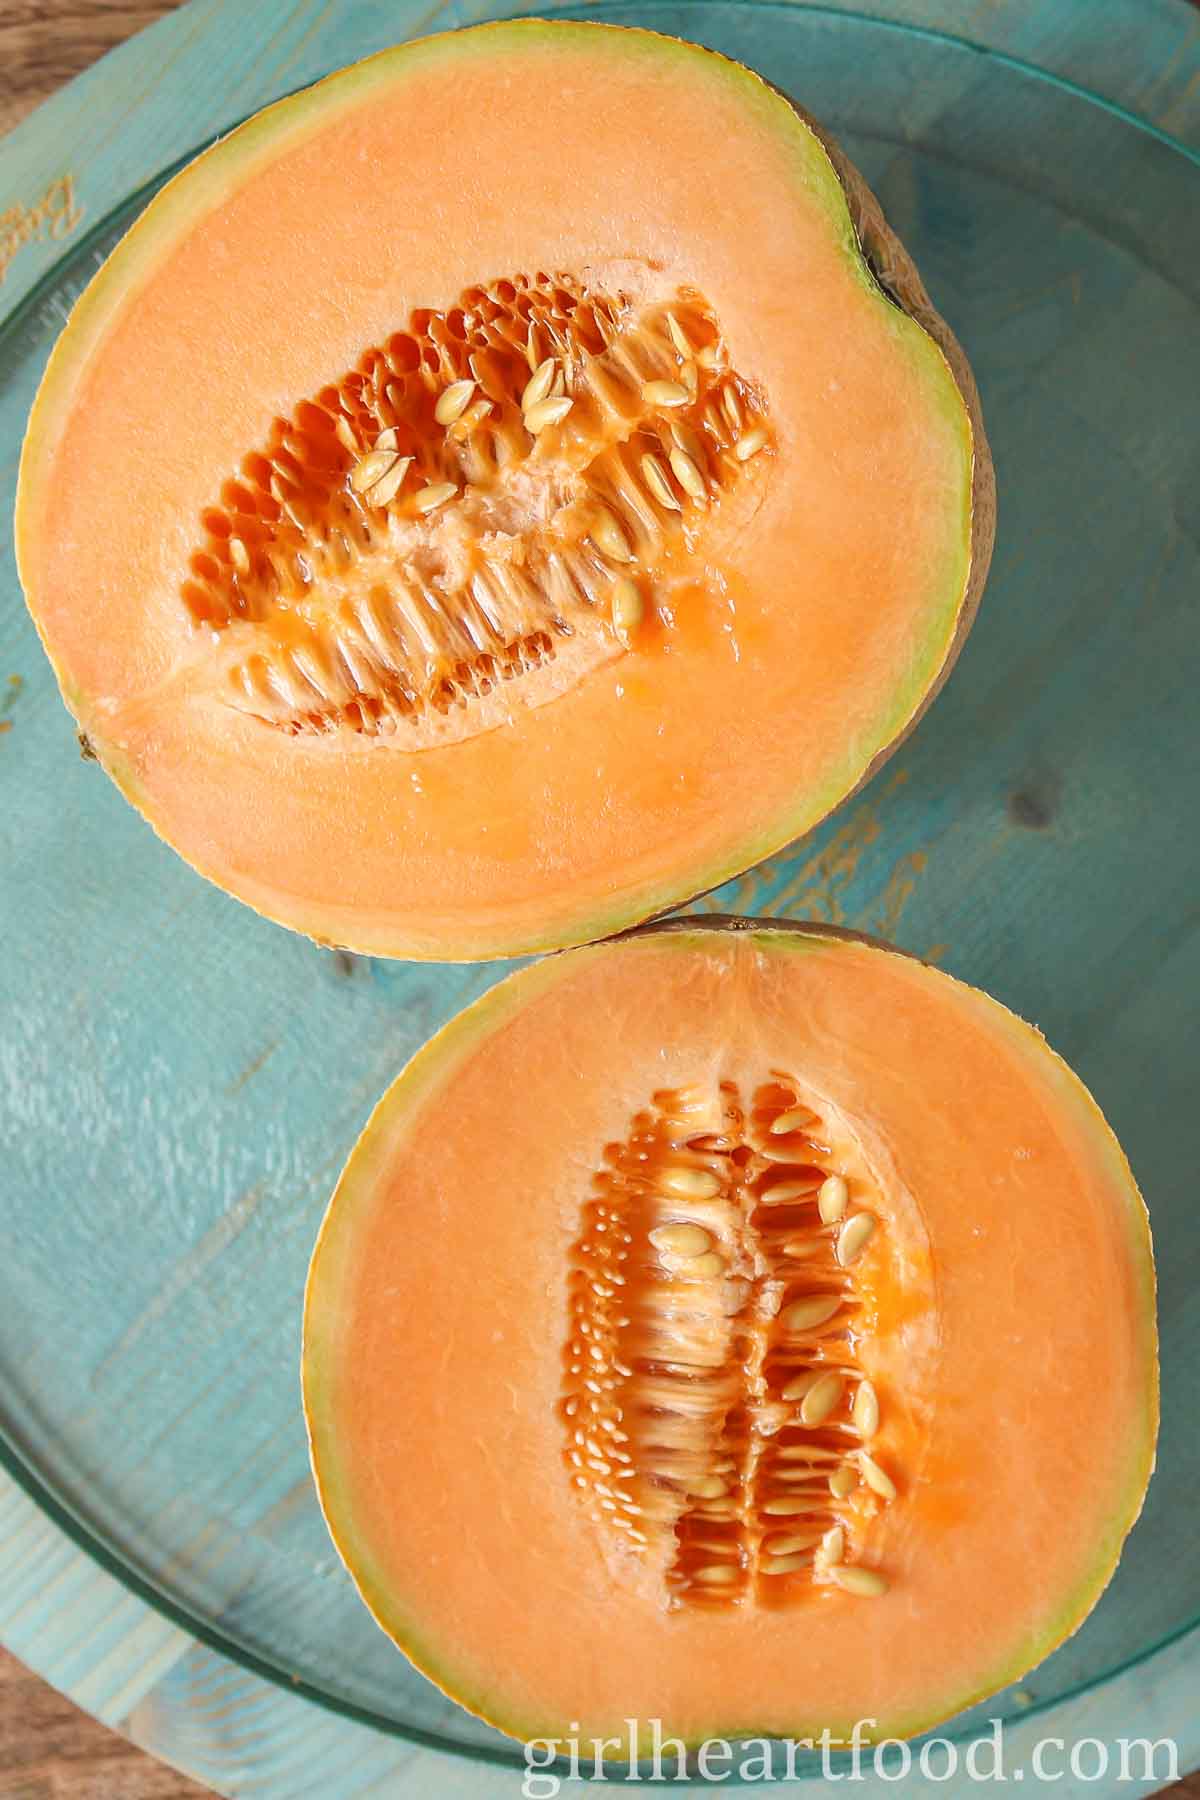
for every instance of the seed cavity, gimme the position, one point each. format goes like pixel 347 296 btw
pixel 333 597
pixel 712 1397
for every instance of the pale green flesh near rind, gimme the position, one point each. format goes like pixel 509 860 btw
pixel 202 186
pixel 435 1063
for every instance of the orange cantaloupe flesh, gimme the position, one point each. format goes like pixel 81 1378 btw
pixel 804 634
pixel 1010 1334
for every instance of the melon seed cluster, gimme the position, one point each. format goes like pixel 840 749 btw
pixel 713 1404
pixel 494 491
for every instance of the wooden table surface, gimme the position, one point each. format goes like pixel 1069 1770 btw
pixel 49 1750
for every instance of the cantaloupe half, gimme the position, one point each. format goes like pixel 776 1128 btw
pixel 743 1326
pixel 489 496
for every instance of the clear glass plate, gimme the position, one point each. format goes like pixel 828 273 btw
pixel 182 1081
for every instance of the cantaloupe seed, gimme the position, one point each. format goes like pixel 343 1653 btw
pixel 681 1240
pixel 854 1237
pixel 384 491
pixel 703 1360
pixel 539 383
pixel 688 475
pixel 453 401
pixel 551 411
pixel 679 336
pixel 876 1477
pixel 655 477
pixel 609 537
pixel 750 444
pixel 822 1398
pixel 338 597
pixel 832 1199
pixel 435 495
pixel 832 1547
pixel 865 1411
pixel 664 393
pixel 868 1583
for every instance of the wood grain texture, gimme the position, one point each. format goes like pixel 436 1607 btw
pixel 43 43
pixel 49 1750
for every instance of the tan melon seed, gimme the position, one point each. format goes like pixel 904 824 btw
pixel 560 382
pixel 799 1247
pixel 689 1184
pixel 708 358
pixel 688 475
pixel 681 1240
pixel 532 348
pixel 798 1386
pixel 780 1193
pixel 388 440
pixel 813 1310
pixel 691 379
pixel 794 1119
pixel 475 414
pixel 367 470
pixel 453 401
pixel 707 1487
pixel 876 1478
pixel 789 1542
pixel 803 1477
pixel 832 1199
pixel 608 535
pixel 865 1411
pixel 783 1565
pixel 750 444
pixel 679 336
pixel 842 1482
pixel 664 393
pixel 539 383
pixel 239 556
pixel 435 495
pixel 389 485
pixel 548 412
pixel 809 1453
pixel 687 440
pixel 717 1574
pixel 854 1237
pixel 731 407
pixel 857 1580
pixel 708 1264
pixel 833 1547
pixel 625 606
pixel 822 1398
pixel 344 433
pixel 656 480
pixel 787 1506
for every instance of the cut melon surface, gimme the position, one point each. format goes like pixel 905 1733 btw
pixel 739 1325
pixel 488 497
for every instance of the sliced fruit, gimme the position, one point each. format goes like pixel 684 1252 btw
pixel 488 497
pixel 594 1443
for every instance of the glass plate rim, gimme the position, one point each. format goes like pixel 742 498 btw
pixel 88 1538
